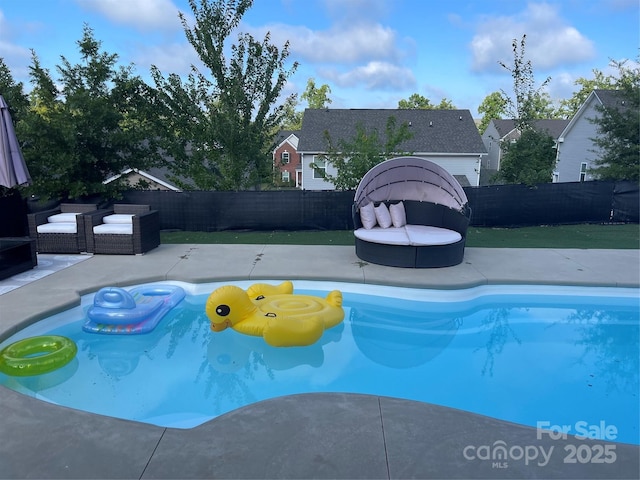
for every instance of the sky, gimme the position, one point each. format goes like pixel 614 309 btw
pixel 371 53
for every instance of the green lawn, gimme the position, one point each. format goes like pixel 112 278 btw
pixel 562 236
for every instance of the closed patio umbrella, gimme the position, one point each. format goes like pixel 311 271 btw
pixel 13 170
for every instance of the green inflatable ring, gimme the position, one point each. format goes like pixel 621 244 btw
pixel 37 355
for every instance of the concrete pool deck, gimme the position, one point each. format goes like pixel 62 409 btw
pixel 300 436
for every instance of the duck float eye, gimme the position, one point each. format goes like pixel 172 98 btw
pixel 223 310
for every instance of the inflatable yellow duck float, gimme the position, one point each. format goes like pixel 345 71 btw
pixel 274 312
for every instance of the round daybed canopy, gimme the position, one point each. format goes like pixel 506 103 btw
pixel 410 178
pixel 431 208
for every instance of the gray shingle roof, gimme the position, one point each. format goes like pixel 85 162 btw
pixel 284 134
pixel 610 98
pixel 434 131
pixel 551 125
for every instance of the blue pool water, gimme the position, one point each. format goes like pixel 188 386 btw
pixel 526 354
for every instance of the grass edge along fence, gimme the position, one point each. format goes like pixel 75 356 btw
pixel 296 210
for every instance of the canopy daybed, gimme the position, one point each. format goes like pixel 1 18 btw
pixel 410 212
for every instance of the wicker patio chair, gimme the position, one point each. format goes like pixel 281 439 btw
pixel 60 230
pixel 123 229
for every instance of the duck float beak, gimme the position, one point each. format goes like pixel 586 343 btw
pixel 218 327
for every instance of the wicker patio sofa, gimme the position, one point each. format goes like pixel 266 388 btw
pixel 123 229
pixel 410 212
pixel 60 230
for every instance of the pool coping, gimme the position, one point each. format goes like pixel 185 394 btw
pixel 302 436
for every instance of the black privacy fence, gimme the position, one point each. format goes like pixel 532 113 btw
pixel 492 206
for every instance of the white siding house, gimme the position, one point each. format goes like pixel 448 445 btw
pixel 576 151
pixel 449 138
pixel 501 131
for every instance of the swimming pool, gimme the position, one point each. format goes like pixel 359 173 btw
pixel 525 354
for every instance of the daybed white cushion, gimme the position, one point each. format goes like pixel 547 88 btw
pixel 383 217
pixel 114 228
pixel 424 235
pixel 368 216
pixel 62 218
pixel 415 235
pixel 388 236
pixel 58 227
pixel 118 218
pixel 398 215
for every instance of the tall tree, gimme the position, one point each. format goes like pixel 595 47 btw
pixel 529 160
pixel 527 100
pixel 316 97
pixel 417 101
pixel 494 106
pixel 13 93
pixel 569 107
pixel 93 128
pixel 354 157
pixel 220 125
pixel 618 130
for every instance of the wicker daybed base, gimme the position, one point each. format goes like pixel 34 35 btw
pixel 409 256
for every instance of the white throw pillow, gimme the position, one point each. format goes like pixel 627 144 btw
pixel 398 215
pixel 368 216
pixel 383 216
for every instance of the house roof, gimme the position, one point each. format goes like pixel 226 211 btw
pixel 553 126
pixel 284 134
pixel 153 174
pixel 434 131
pixel 290 136
pixel 606 98
pixel 609 98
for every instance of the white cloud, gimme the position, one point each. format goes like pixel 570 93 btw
pixel 171 58
pixel 373 76
pixel 337 45
pixel 14 56
pixel 550 41
pixel 141 14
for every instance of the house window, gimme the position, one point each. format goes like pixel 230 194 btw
pixel 285 176
pixel 284 157
pixel 583 171
pixel 320 170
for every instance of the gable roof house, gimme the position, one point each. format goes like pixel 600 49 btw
pixel 499 131
pixel 286 160
pixel 448 138
pixel 576 151
pixel 155 178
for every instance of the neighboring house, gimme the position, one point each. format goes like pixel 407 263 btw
pixel 286 160
pixel 154 177
pixel 449 138
pixel 576 151
pixel 499 131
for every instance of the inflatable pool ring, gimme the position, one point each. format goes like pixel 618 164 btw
pixel 118 311
pixel 275 313
pixel 37 355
